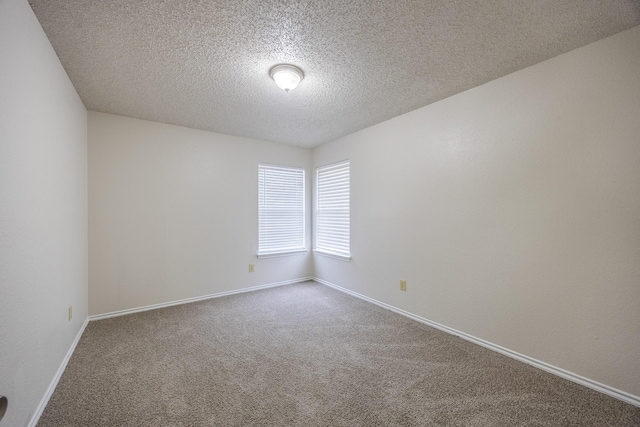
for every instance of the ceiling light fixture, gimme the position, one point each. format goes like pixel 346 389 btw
pixel 286 76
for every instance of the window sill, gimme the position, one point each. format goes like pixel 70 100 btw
pixel 279 254
pixel 346 258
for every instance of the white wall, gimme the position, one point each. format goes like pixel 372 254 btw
pixel 43 211
pixel 512 210
pixel 173 213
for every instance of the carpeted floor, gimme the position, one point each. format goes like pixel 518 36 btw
pixel 305 355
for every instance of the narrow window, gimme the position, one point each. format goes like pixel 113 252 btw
pixel 332 210
pixel 280 210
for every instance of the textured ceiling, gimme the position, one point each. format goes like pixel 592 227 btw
pixel 205 64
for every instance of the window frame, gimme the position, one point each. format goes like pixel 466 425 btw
pixel 291 250
pixel 323 250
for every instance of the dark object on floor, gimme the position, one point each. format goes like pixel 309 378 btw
pixel 4 402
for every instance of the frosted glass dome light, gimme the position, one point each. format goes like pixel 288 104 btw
pixel 286 76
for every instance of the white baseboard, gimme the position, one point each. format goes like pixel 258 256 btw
pixel 45 399
pixel 194 299
pixel 602 388
pixel 610 391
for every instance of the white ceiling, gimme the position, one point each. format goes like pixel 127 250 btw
pixel 205 64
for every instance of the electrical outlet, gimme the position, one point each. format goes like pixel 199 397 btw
pixel 251 268
pixel 70 312
pixel 403 285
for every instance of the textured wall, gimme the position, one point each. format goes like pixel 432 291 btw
pixel 512 210
pixel 173 213
pixel 43 211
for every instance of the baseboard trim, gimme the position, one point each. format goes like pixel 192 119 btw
pixel 194 299
pixel 602 388
pixel 54 382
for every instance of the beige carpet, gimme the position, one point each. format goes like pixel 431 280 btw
pixel 305 355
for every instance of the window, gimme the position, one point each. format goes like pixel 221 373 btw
pixel 332 210
pixel 280 210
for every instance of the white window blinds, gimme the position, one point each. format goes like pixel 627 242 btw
pixel 332 210
pixel 280 209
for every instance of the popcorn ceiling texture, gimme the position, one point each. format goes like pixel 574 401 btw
pixel 205 64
